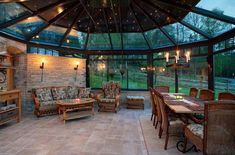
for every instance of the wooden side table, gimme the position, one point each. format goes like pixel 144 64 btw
pixel 13 113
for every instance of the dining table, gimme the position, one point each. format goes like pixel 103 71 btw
pixel 183 104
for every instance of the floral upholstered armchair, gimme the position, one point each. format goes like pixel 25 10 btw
pixel 109 99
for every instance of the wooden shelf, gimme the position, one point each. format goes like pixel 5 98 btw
pixel 11 109
pixel 8 120
pixel 6 67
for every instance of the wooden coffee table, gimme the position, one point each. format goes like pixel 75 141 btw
pixel 75 108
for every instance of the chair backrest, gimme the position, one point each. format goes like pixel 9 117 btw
pixel 163 89
pixel 206 95
pixel 193 92
pixel 158 109
pixel 111 89
pixel 162 107
pixel 226 96
pixel 151 93
pixel 219 129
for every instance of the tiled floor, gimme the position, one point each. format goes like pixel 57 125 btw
pixel 129 132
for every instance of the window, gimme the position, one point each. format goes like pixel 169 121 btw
pixel 126 71
pixel 224 72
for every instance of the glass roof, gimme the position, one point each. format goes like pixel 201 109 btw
pixel 142 28
pixel 225 6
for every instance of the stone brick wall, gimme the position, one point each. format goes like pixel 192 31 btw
pixel 58 71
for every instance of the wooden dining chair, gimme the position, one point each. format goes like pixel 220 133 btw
pixel 193 92
pixel 217 134
pixel 153 104
pixel 168 125
pixel 163 89
pixel 226 96
pixel 206 95
pixel 158 110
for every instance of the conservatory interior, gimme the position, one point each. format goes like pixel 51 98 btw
pixel 117 77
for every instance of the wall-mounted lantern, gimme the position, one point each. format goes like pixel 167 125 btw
pixel 42 68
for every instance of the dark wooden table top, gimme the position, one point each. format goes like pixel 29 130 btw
pixel 187 105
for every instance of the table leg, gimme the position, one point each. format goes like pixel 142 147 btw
pixel 64 116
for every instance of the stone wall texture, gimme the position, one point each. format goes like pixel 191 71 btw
pixel 58 71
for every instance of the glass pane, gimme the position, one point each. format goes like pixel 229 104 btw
pixel 224 72
pixel 157 39
pixel 98 42
pixel 225 7
pixel 25 27
pixel 137 79
pixel 185 35
pixel 98 73
pixel 164 76
pixel 51 35
pixel 194 76
pixel 116 41
pixel 75 39
pixel 134 41
pixel 210 26
pixel 10 11
pixel 117 71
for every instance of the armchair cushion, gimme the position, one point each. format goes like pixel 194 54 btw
pixel 44 94
pixel 72 92
pixel 107 100
pixel 59 93
pixel 196 129
pixel 84 92
pixel 47 103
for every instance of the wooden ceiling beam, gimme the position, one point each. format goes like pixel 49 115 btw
pixel 107 26
pixel 88 13
pixel 114 16
pixel 140 26
pixel 71 27
pixel 156 23
pixel 53 20
pixel 167 13
pixel 200 11
pixel 33 13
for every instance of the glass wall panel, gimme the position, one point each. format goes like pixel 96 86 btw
pixel 126 71
pixel 225 7
pixel 51 35
pixel 116 41
pixel 75 39
pixel 164 76
pixel 10 11
pixel 210 26
pixel 24 28
pixel 98 42
pixel 185 35
pixel 194 76
pixel 134 41
pixel 137 79
pixel 98 73
pixel 224 72
pixel 157 39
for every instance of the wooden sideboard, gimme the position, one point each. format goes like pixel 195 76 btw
pixel 13 113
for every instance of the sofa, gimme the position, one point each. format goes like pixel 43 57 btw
pixel 109 99
pixel 45 98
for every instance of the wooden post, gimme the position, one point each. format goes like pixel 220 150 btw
pixel 87 71
pixel 210 62
pixel 176 81
pixel 150 72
